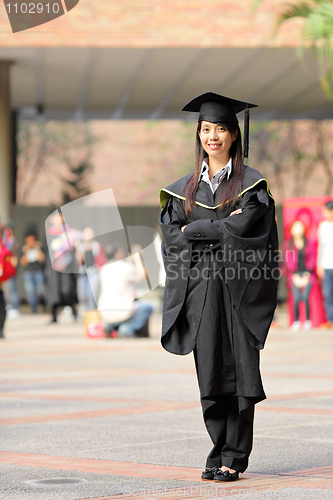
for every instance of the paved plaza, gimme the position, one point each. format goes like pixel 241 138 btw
pixel 101 419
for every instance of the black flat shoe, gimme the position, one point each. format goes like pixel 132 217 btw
pixel 226 476
pixel 209 474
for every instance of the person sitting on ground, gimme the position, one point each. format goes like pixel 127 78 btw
pixel 117 305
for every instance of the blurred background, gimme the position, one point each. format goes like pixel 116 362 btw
pixel 92 100
pixel 91 129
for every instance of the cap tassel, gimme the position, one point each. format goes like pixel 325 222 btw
pixel 246 135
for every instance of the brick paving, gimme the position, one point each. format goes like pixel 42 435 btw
pixel 123 416
pixel 249 481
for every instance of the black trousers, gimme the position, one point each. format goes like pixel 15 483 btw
pixel 300 294
pixel 231 433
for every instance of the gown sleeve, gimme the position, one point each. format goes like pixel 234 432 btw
pixel 173 213
pixel 254 203
pixel 172 219
pixel 176 254
pixel 250 244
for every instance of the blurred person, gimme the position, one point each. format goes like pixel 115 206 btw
pixel 300 262
pixel 117 305
pixel 90 256
pixel 61 265
pixel 8 264
pixel 325 260
pixel 32 261
pixel 10 286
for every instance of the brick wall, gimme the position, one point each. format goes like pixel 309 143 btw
pixel 137 158
pixel 158 23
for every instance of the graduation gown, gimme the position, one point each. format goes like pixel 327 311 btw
pixel 221 285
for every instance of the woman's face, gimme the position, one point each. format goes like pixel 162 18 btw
pixel 216 139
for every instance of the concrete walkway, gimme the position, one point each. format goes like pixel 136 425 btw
pixel 100 419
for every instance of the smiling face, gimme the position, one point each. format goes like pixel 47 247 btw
pixel 216 140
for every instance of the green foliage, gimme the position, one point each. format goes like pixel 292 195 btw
pixel 318 30
pixel 302 9
pixel 320 22
pixel 256 3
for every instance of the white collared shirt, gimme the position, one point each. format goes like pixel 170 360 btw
pixel 217 177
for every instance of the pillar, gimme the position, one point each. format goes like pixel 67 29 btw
pixel 6 144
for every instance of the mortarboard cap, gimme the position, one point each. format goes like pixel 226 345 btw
pixel 216 108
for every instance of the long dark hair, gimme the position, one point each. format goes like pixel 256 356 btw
pixel 233 187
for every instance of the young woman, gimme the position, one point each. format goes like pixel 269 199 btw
pixel 300 261
pixel 220 255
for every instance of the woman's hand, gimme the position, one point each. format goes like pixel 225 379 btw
pixel 182 228
pixel 238 211
pixel 14 261
pixel 320 272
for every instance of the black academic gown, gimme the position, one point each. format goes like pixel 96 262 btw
pixel 221 285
